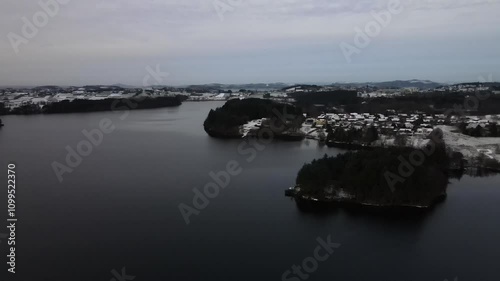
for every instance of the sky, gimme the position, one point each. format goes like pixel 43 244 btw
pixel 83 42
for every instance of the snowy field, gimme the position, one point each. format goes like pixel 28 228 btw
pixel 469 146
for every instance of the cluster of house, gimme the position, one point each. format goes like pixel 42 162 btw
pixel 210 96
pixel 388 93
pixel 397 123
pixel 390 124
pixel 466 88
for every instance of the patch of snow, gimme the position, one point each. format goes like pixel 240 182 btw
pixel 470 147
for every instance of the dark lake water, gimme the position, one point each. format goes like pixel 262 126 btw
pixel 119 208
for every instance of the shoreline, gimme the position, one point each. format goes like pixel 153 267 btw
pixel 347 203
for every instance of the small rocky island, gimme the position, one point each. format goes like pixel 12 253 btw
pixel 381 177
pixel 251 117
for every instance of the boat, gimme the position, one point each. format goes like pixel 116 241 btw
pixel 290 192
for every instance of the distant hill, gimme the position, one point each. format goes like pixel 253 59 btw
pixel 486 84
pixel 101 88
pixel 303 87
pixel 47 88
pixel 252 86
pixel 123 86
pixel 397 84
pixel 258 86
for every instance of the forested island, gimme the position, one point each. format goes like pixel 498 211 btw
pixel 284 120
pixel 381 177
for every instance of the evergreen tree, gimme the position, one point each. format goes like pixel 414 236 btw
pixel 494 130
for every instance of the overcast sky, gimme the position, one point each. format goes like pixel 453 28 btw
pixel 291 41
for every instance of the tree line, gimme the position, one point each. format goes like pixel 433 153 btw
pixel 428 102
pixel 489 130
pixel 84 105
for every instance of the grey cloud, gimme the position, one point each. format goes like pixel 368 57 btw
pixel 115 39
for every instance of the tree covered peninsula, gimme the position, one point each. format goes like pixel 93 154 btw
pixel 227 121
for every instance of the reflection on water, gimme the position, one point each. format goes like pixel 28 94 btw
pixel 389 213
